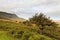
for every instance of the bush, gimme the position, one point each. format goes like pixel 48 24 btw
pixel 42 20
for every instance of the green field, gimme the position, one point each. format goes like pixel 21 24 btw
pixel 20 31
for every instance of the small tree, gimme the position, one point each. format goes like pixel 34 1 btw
pixel 42 21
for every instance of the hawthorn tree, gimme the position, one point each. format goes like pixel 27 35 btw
pixel 41 19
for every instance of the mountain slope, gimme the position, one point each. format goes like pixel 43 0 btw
pixel 9 16
pixel 18 31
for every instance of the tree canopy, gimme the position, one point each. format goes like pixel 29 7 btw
pixel 41 19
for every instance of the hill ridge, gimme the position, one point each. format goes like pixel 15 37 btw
pixel 10 16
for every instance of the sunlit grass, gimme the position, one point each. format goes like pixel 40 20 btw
pixel 31 32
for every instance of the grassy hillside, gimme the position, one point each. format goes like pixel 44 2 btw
pixel 20 31
pixel 38 27
pixel 11 17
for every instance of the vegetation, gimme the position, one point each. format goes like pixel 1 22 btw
pixel 38 27
pixel 42 20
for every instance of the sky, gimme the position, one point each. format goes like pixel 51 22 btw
pixel 28 8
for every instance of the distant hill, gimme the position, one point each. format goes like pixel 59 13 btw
pixel 11 17
pixel 57 21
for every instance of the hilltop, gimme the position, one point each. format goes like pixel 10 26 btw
pixel 10 17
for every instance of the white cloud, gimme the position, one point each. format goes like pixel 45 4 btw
pixel 31 6
pixel 10 4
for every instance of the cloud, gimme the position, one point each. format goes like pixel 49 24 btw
pixel 8 5
pixel 27 8
pixel 11 4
